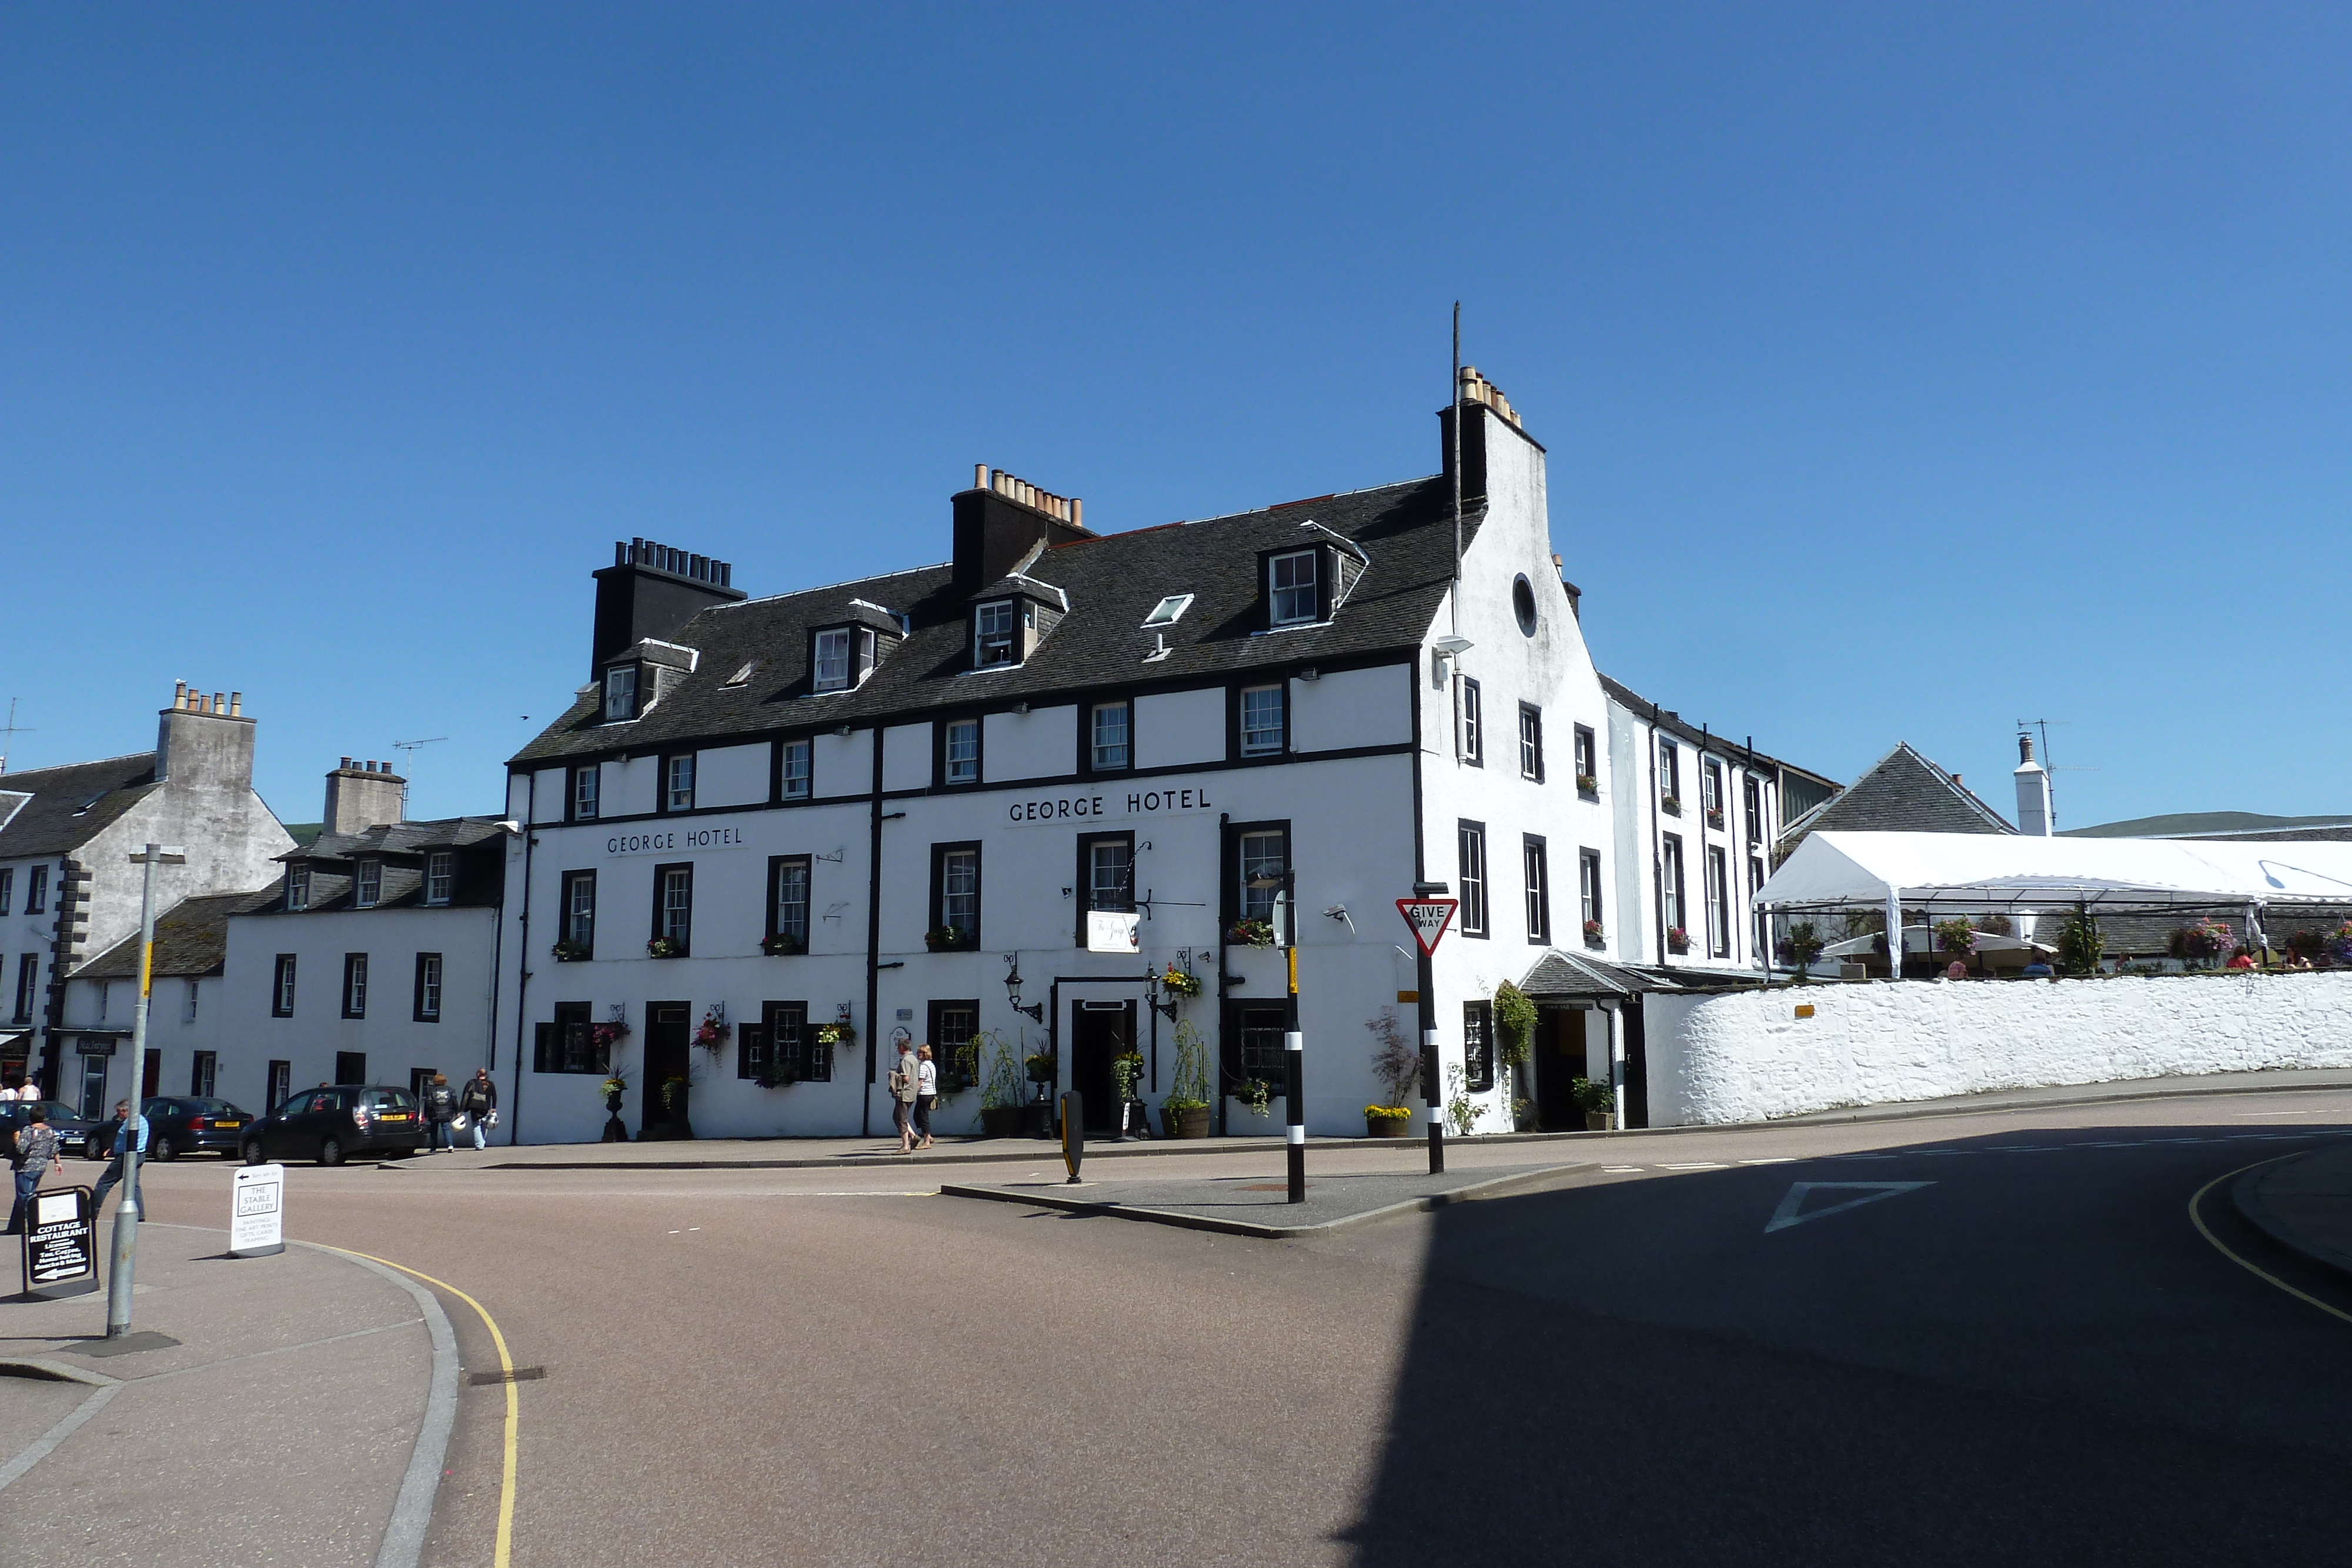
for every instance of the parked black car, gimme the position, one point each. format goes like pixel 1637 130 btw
pixel 330 1125
pixel 180 1125
pixel 73 1130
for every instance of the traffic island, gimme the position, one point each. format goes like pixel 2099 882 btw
pixel 2304 1204
pixel 1258 1205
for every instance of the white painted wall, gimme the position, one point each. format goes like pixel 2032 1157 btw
pixel 906 756
pixel 546 799
pixel 1173 728
pixel 1040 744
pixel 632 786
pixel 1745 1056
pixel 731 775
pixel 1352 707
pixel 841 764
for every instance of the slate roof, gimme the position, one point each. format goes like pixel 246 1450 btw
pixel 1560 976
pixel 55 810
pixel 1673 723
pixel 1112 580
pixel 401 846
pixel 1902 792
pixel 191 938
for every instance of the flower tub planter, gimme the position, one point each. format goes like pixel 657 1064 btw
pixel 1599 1121
pixel 1387 1126
pixel 1190 1122
pixel 1000 1121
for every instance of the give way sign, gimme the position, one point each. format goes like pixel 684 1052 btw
pixel 1428 917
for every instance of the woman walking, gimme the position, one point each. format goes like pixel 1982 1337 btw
pixel 36 1156
pixel 927 1092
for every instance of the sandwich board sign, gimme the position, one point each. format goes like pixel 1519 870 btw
pixel 257 1214
pixel 1429 918
pixel 60 1244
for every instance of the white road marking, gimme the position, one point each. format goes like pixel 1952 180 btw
pixel 1694 1166
pixel 1619 1170
pixel 1872 1191
pixel 1772 1160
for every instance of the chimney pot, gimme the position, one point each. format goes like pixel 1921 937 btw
pixel 347 762
pixel 236 704
pixel 1077 513
pixel 980 475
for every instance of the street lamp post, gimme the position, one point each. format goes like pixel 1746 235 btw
pixel 121 1265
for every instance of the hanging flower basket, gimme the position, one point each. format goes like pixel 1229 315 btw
pixel 1040 1067
pixel 607 1035
pixel 1179 982
pixel 840 1035
pixel 1672 805
pixel 711 1034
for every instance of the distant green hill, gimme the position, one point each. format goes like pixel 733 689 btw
pixel 2191 824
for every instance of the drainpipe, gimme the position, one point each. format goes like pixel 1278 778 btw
pixel 523 953
pixel 1225 859
pixel 1657 849
pixel 872 941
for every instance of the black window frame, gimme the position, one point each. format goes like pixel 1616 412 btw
pixel 776 866
pixel 661 889
pixel 1321 556
pixel 1715 873
pixel 1249 1021
pixel 285 976
pixel 1752 798
pixel 969 941
pixel 571 1027
pixel 1016 653
pixel 663 805
pixel 636 703
pixel 1088 766
pixel 1588 762
pixel 1535 868
pixel 940 733
pixel 37 889
pixel 1082 889
pixel 1232 898
pixel 779 786
pixel 1674 889
pixel 428 993
pixel 1475 915
pixel 7 887
pixel 204 1073
pixel 1470 721
pixel 28 983
pixel 277 1083
pixel 566 916
pixel 1478 1046
pixel 1591 897
pixel 446 861
pixel 592 775
pixel 1236 694
pixel 1670 774
pixel 361 879
pixel 350 1070
pixel 1531 752
pixel 355 969
pixel 943 1049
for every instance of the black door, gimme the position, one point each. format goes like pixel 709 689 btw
pixel 151 1075
pixel 351 1067
pixel 663 1093
pixel 1099 1031
pixel 1559 1059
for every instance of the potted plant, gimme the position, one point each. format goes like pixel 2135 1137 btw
pixel 1387 1121
pixel 1398 1067
pixel 1586 784
pixel 1595 934
pixel 2200 944
pixel 1251 933
pixel 1514 1030
pixel 782 946
pixel 2080 944
pixel 2338 945
pixel 1956 938
pixel 1597 1101
pixel 665 947
pixel 1179 982
pixel 1671 805
pixel 944 938
pixel 1801 947
pixel 1039 1066
pixel 711 1033
pixel 1255 1094
pixel 1126 1073
pixel 570 952
pixel 613 1089
pixel 1715 818
pixel 1184 1114
pixel 999 1094
pixel 1677 939
pixel 1462 1113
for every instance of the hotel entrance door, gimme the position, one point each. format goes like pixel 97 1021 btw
pixel 1099 1031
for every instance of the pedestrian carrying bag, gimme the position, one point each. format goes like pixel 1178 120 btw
pixel 489 1118
pixel 457 1122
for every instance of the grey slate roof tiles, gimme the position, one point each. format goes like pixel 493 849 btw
pixel 191 938
pixel 1113 581
pixel 68 804
pixel 1903 792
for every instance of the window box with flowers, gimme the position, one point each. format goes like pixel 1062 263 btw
pixel 783 946
pixel 947 939
pixel 1677 939
pixel 1715 818
pixel 665 947
pixel 1595 934
pixel 1671 805
pixel 1586 784
pixel 571 952
pixel 711 1033
pixel 1251 933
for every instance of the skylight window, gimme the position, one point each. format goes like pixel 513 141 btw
pixel 743 675
pixel 1169 610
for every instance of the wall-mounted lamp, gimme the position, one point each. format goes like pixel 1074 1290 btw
pixel 843 732
pixel 1021 707
pixel 1036 1011
pixel 1309 673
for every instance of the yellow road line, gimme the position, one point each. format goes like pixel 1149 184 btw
pixel 514 1400
pixel 2219 1246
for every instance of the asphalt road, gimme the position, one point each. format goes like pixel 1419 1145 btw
pixel 2033 1357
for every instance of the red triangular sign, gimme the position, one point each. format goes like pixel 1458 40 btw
pixel 1429 918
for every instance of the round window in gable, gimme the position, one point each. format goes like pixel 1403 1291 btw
pixel 1523 604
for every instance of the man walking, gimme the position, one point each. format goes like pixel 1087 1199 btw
pixel 906 1080
pixel 440 1109
pixel 479 1099
pixel 131 1135
pixel 37 1156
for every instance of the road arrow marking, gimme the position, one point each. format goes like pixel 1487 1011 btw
pixel 1871 1192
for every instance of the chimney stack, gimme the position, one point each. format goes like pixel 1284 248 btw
pixel 1000 520
pixel 651 590
pixel 204 744
pixel 2036 815
pixel 361 796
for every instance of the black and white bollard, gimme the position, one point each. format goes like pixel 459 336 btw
pixel 1294 1052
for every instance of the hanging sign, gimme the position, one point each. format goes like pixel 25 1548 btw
pixel 60 1244
pixel 1112 931
pixel 257 1214
pixel 1429 918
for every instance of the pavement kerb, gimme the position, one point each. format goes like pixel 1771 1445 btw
pixel 2315 1227
pixel 1244 1227
pixel 1994 1101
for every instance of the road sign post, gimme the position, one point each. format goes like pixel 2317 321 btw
pixel 1428 915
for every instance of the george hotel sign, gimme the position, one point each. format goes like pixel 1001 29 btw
pixel 673 839
pixel 1174 800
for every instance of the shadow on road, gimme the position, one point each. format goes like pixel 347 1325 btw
pixel 2033 1358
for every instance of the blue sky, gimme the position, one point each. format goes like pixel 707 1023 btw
pixel 1906 372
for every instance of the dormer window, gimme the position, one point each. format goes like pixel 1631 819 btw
pixel 367 883
pixel 297 887
pixel 1293 588
pixel 440 875
pixel 620 694
pixel 995 635
pixel 844 658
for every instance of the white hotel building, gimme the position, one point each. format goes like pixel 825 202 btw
pixel 873 803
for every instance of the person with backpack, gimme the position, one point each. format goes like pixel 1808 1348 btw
pixel 440 1110
pixel 131 1136
pixel 34 1154
pixel 480 1101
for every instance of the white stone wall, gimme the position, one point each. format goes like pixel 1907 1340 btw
pixel 1745 1056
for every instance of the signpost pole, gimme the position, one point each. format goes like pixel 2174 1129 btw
pixel 121 1265
pixel 1428 906
pixel 1294 1053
